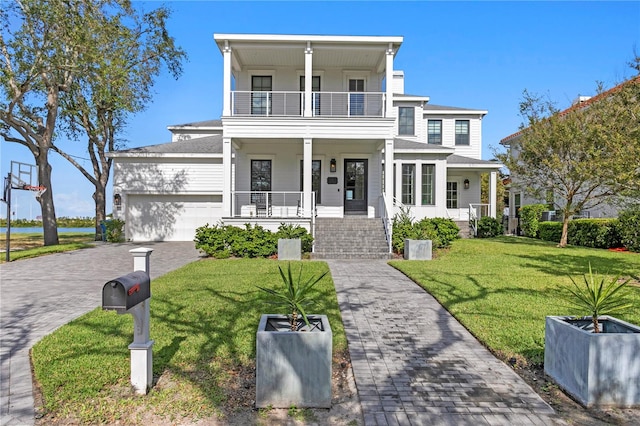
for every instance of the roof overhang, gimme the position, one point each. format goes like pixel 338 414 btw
pixel 278 50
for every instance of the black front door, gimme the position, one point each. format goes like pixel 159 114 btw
pixel 355 186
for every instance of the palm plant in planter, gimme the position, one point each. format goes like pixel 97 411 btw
pixel 293 362
pixel 596 365
pixel 599 296
pixel 295 296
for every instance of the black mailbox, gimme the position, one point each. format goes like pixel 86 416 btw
pixel 125 292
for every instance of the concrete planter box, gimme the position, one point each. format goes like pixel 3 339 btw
pixel 417 249
pixel 289 249
pixel 293 367
pixel 596 369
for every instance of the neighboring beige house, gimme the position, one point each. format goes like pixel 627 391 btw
pixel 312 127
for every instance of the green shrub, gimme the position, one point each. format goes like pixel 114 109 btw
pixel 222 241
pixel 296 231
pixel 550 231
pixel 440 231
pixel 530 216
pixel 215 240
pixel 115 230
pixel 596 233
pixel 447 230
pixel 254 241
pixel 489 227
pixel 629 228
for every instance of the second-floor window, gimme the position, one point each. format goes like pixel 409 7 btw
pixel 408 183
pixel 261 102
pixel 434 132
pixel 462 132
pixel 406 119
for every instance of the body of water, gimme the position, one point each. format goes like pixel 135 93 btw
pixel 39 230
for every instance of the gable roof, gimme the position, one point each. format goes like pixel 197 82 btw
pixel 576 106
pixel 207 146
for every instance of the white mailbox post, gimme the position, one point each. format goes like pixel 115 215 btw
pixel 141 348
pixel 130 294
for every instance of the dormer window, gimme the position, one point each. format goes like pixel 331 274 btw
pixel 406 121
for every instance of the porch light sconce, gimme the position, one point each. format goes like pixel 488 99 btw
pixel 466 184
pixel 332 165
pixel 117 201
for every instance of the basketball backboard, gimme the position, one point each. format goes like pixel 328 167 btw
pixel 23 175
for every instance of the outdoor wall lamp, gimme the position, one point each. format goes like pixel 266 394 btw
pixel 117 201
pixel 466 184
pixel 332 165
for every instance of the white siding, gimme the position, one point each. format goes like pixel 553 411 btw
pixel 162 175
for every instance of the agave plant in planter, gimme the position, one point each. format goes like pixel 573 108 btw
pixel 293 351
pixel 594 358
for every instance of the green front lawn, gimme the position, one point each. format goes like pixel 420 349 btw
pixel 26 245
pixel 204 318
pixel 501 289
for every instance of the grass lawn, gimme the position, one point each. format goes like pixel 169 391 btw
pixel 25 245
pixel 204 318
pixel 501 289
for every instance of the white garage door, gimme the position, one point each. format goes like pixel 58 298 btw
pixel 169 217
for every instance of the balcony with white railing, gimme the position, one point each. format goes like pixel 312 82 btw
pixel 323 104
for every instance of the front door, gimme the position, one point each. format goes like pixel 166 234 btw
pixel 355 186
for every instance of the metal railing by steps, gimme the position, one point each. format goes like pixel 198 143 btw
pixel 351 237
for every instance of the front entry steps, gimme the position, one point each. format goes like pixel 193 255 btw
pixel 350 237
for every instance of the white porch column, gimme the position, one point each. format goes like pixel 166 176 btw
pixel 389 79
pixel 308 80
pixel 226 79
pixel 493 199
pixel 388 175
pixel 306 171
pixel 227 202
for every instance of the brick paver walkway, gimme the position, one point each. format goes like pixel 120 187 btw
pixel 41 294
pixel 414 364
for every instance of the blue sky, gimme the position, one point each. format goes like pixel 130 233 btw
pixel 466 54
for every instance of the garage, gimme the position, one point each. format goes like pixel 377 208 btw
pixel 162 217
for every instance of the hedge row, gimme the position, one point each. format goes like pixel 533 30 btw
pixel 598 233
pixel 223 241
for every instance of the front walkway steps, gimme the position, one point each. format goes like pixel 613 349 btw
pixel 350 237
pixel 414 364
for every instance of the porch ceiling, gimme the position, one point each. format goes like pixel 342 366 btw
pixel 328 52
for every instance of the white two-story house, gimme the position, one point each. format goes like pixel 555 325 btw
pixel 312 127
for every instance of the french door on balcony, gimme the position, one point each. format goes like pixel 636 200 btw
pixel 355 186
pixel 356 96
pixel 261 102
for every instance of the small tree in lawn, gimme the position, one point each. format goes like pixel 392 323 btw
pixel 585 155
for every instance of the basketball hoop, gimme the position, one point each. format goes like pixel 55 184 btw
pixel 38 189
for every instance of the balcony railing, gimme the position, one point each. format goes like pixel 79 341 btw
pixel 271 204
pixel 324 104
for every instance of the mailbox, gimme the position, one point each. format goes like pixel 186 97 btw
pixel 125 292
